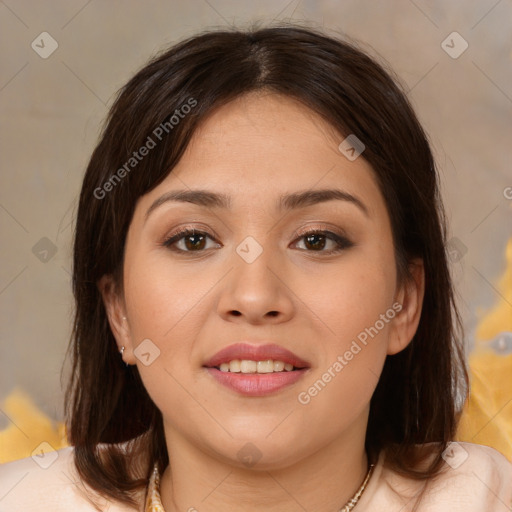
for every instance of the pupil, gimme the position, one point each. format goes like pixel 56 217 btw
pixel 316 245
pixel 190 245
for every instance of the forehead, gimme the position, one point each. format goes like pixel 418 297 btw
pixel 262 130
pixel 262 145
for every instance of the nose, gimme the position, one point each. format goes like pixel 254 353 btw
pixel 256 292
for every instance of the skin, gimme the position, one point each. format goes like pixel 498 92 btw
pixel 190 305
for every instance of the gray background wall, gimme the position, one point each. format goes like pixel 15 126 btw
pixel 52 108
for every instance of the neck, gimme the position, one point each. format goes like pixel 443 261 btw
pixel 322 481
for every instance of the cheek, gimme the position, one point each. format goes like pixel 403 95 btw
pixel 359 313
pixel 161 297
pixel 165 306
pixel 352 296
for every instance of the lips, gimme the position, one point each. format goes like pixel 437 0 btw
pixel 251 352
pixel 256 384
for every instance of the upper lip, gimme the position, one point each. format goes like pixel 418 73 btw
pixel 252 352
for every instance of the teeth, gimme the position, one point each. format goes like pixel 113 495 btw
pixel 278 366
pixel 234 366
pixel 249 366
pixel 265 366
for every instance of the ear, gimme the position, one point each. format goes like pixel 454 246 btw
pixel 410 297
pixel 117 318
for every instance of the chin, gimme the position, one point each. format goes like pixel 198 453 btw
pixel 260 452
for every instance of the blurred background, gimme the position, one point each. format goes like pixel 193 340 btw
pixel 61 65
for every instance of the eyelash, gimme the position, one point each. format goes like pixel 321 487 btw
pixel 341 241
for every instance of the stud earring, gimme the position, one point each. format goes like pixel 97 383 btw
pixel 121 351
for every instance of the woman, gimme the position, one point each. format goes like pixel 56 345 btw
pixel 264 313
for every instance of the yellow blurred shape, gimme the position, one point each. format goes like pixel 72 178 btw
pixel 499 319
pixel 487 415
pixel 27 428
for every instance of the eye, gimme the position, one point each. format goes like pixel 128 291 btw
pixel 317 240
pixel 191 241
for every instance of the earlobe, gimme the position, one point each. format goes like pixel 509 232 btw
pixel 410 297
pixel 116 314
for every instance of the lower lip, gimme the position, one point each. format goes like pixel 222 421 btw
pixel 256 384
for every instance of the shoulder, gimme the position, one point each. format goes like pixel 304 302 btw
pixel 48 483
pixel 468 462
pixel 477 475
pixel 474 478
pixel 476 458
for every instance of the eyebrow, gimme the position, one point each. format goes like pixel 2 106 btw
pixel 287 202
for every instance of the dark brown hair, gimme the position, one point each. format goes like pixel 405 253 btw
pixel 415 399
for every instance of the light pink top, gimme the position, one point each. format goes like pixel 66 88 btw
pixel 477 479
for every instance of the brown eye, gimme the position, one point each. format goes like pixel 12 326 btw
pixel 316 241
pixel 190 239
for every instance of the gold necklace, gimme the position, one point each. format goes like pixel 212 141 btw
pixel 154 503
pixel 353 501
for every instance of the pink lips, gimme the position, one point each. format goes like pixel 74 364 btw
pixel 256 384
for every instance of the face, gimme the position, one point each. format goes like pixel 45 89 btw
pixel 314 275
